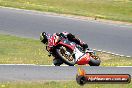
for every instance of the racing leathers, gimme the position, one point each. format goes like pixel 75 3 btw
pixel 72 38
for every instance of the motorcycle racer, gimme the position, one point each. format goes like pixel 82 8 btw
pixel 45 36
pixel 80 57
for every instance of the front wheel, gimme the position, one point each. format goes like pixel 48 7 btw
pixel 57 62
pixel 65 54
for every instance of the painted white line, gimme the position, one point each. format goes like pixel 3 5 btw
pixel 117 54
pixel 104 51
pixel 16 64
pixel 50 14
pixel 50 65
pixel 94 49
pixel 125 66
pixel 73 17
pixel 113 53
pixel 61 15
pixel 108 52
pixel 99 50
pixel 122 55
pixel 28 65
pixel 128 56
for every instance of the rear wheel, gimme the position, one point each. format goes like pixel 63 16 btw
pixel 94 62
pixel 65 54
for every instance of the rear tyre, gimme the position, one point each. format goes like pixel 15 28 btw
pixel 94 62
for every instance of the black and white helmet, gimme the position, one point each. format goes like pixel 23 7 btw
pixel 44 37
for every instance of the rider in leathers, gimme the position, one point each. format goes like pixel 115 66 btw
pixel 45 36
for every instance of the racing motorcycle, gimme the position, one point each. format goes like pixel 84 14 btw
pixel 70 53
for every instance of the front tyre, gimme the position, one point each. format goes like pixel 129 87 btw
pixel 65 54
pixel 57 62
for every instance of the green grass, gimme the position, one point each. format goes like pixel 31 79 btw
pixel 111 60
pixel 60 84
pixel 15 50
pixel 120 10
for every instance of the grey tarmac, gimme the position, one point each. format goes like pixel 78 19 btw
pixel 115 38
pixel 43 73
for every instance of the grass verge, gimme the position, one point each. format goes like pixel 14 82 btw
pixel 15 50
pixel 120 10
pixel 61 84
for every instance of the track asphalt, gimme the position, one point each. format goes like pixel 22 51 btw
pixel 115 38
